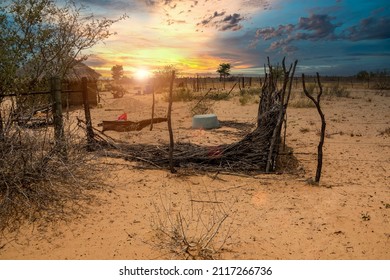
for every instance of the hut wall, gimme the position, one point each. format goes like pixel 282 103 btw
pixel 76 98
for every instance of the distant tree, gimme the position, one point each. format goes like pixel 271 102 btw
pixel 224 71
pixel 117 73
pixel 363 76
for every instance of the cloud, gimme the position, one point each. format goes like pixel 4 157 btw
pixel 320 27
pixel 272 32
pixel 229 22
pixel 207 20
pixel 371 28
pixel 312 28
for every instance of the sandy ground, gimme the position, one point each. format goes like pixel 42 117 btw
pixel 274 216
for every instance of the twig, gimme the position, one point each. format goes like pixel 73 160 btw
pixel 205 201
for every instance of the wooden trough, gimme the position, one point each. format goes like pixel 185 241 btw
pixel 123 126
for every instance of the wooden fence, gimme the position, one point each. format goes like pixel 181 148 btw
pixel 56 93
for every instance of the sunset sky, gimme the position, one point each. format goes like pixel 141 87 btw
pixel 333 37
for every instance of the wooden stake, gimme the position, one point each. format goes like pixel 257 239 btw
pixel 171 141
pixel 151 123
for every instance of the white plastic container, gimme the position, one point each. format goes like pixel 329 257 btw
pixel 208 121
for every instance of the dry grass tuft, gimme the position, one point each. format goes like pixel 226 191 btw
pixel 301 103
pixel 199 229
pixel 385 132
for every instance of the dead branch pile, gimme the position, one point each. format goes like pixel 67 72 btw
pixel 36 183
pixel 257 151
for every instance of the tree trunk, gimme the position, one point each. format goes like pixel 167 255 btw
pixel 323 124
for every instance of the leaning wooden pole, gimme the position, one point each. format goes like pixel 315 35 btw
pixel 171 141
pixel 323 123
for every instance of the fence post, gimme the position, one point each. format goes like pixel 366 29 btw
pixel 171 140
pixel 88 121
pixel 55 88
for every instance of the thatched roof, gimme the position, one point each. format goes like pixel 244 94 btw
pixel 81 70
pixel 74 73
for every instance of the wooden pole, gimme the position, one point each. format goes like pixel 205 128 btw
pixel 153 102
pixel 171 141
pixel 197 83
pixel 323 124
pixel 59 136
pixel 88 120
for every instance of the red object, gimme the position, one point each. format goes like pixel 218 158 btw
pixel 122 117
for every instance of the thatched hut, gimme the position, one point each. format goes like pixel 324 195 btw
pixel 72 82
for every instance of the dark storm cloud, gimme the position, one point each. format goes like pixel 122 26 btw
pixel 320 26
pixel 272 32
pixel 229 22
pixel 312 28
pixel 371 28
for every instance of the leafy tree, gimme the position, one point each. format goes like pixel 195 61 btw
pixel 163 76
pixel 41 38
pixel 117 73
pixel 224 71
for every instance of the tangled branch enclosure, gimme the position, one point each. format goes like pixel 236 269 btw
pixel 257 151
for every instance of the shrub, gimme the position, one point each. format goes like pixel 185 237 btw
pixel 224 95
pixel 250 91
pixel 180 94
pixel 337 91
pixel 246 98
pixel 301 103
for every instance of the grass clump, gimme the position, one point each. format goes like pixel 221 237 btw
pixel 248 95
pixel 337 91
pixel 246 99
pixel 217 96
pixel 180 94
pixel 301 102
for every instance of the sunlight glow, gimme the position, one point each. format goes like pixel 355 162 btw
pixel 142 74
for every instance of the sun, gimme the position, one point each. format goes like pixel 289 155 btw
pixel 142 74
